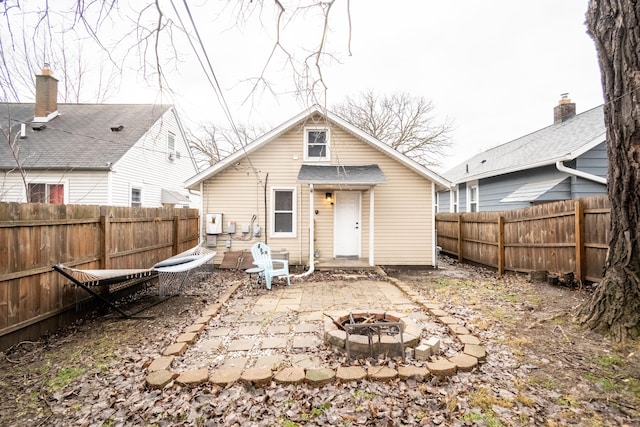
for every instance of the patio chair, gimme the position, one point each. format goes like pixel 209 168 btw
pixel 262 258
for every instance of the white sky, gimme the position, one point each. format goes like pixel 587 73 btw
pixel 495 68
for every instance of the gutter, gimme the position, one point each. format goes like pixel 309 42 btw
pixel 311 233
pixel 588 176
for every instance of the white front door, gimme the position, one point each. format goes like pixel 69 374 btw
pixel 347 224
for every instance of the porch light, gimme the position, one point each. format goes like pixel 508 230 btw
pixel 328 197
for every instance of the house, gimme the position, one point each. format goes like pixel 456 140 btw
pixel 566 160
pixel 321 192
pixel 120 155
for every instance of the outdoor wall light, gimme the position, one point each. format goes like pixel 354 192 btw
pixel 328 197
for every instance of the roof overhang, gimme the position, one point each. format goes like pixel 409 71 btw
pixel 172 197
pixel 339 176
pixel 532 191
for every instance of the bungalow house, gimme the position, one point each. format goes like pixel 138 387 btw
pixel 566 160
pixel 321 192
pixel 120 155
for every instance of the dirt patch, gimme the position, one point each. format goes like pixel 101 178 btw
pixel 541 369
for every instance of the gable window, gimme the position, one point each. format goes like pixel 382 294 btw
pixel 171 145
pixel 316 144
pixel 136 197
pixel 472 197
pixel 283 212
pixel 454 200
pixel 46 193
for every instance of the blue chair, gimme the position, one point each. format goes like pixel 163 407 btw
pixel 262 258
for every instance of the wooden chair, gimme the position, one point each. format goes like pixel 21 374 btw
pixel 262 258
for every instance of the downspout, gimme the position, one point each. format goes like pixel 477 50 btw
pixel 203 239
pixel 588 176
pixel 311 234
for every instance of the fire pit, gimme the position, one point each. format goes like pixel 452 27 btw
pixel 371 333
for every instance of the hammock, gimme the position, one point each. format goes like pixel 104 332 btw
pixel 172 275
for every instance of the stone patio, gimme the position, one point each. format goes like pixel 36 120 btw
pixel 273 335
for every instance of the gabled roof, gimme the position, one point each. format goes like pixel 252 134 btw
pixel 562 141
pixel 295 121
pixel 79 138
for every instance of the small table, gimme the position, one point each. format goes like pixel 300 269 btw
pixel 255 270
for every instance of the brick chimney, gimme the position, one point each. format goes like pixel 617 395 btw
pixel 46 96
pixel 564 110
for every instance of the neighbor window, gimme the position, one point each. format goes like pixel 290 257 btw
pixel 171 146
pixel 454 200
pixel 46 193
pixel 436 202
pixel 316 144
pixel 136 197
pixel 472 197
pixel 283 219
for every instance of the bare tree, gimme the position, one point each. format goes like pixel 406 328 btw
pixel 156 34
pixel 615 305
pixel 402 121
pixel 213 143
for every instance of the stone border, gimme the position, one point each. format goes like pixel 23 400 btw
pixel 159 374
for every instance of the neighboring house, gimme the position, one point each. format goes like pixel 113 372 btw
pixel 566 160
pixel 120 155
pixel 324 192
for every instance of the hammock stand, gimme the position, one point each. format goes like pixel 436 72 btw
pixel 172 275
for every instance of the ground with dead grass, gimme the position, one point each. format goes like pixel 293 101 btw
pixel 542 368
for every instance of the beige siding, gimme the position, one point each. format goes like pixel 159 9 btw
pixel 403 206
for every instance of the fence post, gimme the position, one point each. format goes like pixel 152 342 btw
pixel 579 223
pixel 459 237
pixel 500 245
pixel 105 244
pixel 176 234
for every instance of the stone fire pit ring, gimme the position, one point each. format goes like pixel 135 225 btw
pixel 359 345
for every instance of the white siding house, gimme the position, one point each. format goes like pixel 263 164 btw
pixel 107 154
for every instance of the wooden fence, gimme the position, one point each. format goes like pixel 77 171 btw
pixel 559 237
pixel 34 299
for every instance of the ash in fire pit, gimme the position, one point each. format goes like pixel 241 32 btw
pixel 371 333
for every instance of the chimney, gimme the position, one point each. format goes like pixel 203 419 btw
pixel 46 96
pixel 564 110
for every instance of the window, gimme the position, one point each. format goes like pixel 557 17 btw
pixel 316 144
pixel 436 202
pixel 136 197
pixel 454 200
pixel 472 197
pixel 171 145
pixel 283 219
pixel 46 193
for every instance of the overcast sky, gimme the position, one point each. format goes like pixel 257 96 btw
pixel 495 68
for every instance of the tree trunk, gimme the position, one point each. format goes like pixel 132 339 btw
pixel 614 307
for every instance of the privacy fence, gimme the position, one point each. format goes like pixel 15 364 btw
pixel 35 300
pixel 560 237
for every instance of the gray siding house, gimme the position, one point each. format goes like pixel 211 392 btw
pixel 566 160
pixel 99 154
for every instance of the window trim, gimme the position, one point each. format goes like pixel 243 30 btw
pixel 171 151
pixel 471 185
pixel 132 187
pixel 47 183
pixel 327 155
pixel 454 196
pixel 294 213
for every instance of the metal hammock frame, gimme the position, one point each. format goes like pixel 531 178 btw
pixel 172 276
